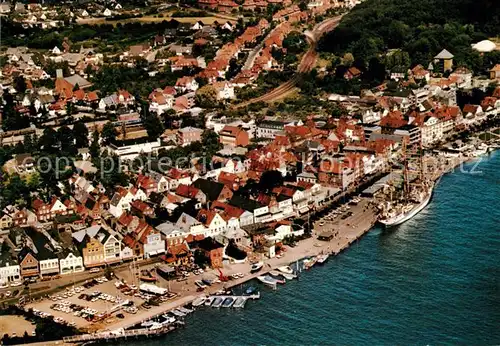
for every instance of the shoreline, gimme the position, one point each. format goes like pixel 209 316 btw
pixel 346 238
pixel 349 231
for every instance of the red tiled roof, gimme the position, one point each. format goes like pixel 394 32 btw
pixel 187 191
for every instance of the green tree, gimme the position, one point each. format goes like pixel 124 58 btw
pixel 20 84
pixel 94 149
pixel 206 97
pixel 48 142
pixel 153 125
pixel 108 133
pixel 81 133
pixel 67 140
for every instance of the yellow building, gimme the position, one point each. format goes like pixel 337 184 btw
pixel 443 61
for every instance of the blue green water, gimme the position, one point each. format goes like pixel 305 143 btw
pixel 433 280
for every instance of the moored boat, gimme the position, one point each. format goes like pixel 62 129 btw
pixel 275 273
pixel 278 281
pixel 239 302
pixel 286 269
pixel 265 280
pixel 250 290
pixel 199 301
pixel 321 259
pixel 228 302
pixel 289 276
pixel 256 267
pixel 309 263
pixel 185 310
pixel 407 211
pixel 209 301
pixel 217 302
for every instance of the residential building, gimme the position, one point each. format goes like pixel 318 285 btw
pixel 10 271
pixel 234 136
pixel 213 250
pixel 188 135
pixel 269 129
pixel 213 190
pixel 28 263
pixel 495 72
pixel 443 61
pixel 70 262
pixel 25 163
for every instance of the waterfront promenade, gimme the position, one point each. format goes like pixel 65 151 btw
pixel 349 231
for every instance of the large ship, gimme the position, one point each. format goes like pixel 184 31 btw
pixel 415 198
pixel 397 213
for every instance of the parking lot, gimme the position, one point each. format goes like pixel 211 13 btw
pixel 84 304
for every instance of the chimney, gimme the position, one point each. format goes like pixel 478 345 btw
pixel 59 73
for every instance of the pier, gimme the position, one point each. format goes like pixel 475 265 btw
pixel 118 335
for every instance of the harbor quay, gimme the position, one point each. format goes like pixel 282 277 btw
pixel 345 232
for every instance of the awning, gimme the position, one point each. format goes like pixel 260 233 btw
pixel 303 209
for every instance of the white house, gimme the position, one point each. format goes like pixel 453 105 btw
pixel 49 266
pixel 225 90
pixel 234 166
pixel 197 26
pixel 431 130
pixel 213 222
pixel 160 102
pixel 285 206
pixel 186 83
pixel 153 244
pixel 286 230
pixel 173 234
pixel 107 13
pixel 246 218
pixel 126 253
pixel 71 263
pixel 112 247
pixel 121 201
pixel 9 272
pixel 190 225
pixel 56 51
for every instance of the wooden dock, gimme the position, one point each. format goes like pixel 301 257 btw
pixel 118 335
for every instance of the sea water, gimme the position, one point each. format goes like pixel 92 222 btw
pixel 433 280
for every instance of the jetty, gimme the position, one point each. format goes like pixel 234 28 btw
pixel 240 299
pixel 118 335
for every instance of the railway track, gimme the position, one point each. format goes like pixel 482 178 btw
pixel 306 64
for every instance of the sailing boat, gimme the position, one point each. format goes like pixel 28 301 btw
pixel 415 199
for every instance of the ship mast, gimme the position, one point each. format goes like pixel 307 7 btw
pixel 406 180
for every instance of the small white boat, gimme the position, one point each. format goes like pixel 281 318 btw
pixel 147 323
pixel 209 301
pixel 265 280
pixel 178 313
pixel 321 259
pixel 278 281
pixel 155 325
pixel 168 319
pixel 185 310
pixel 275 273
pixel 289 276
pixel 199 301
pixel 286 269
pixel 239 302
pixel 217 302
pixel 256 267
